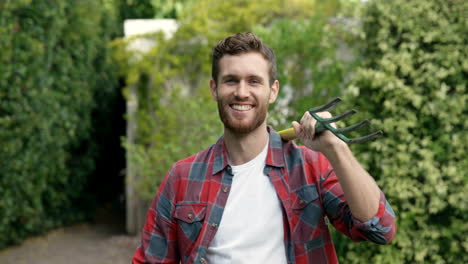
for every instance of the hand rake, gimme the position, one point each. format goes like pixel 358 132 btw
pixel 324 124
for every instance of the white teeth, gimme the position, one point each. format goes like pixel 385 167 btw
pixel 241 107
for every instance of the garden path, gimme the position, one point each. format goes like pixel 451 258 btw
pixel 103 242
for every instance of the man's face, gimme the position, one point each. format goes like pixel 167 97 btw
pixel 243 91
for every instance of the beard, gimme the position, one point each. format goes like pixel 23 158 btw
pixel 241 126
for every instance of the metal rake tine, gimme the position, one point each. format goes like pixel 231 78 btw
pixel 352 127
pixel 325 106
pixel 365 138
pixel 335 118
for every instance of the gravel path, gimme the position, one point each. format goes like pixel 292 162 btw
pixel 77 244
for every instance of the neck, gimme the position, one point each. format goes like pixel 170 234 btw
pixel 242 148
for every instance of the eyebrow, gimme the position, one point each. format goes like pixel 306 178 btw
pixel 229 76
pixel 233 76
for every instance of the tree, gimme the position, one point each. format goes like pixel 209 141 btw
pixel 311 70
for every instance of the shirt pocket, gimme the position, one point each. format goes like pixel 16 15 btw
pixel 190 219
pixel 308 210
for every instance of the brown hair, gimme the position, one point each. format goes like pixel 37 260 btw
pixel 242 43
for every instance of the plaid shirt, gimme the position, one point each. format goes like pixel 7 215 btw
pixel 186 212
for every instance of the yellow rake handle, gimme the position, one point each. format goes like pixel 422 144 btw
pixel 288 134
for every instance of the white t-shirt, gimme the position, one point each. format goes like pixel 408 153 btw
pixel 251 229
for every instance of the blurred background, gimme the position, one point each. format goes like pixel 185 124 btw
pixel 99 97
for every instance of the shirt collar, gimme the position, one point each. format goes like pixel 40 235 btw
pixel 274 155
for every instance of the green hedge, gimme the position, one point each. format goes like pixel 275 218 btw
pixel 414 85
pixel 55 72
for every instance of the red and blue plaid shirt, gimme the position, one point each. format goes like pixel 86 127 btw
pixel 187 210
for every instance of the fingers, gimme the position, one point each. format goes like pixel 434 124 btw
pixel 305 129
pixel 326 115
pixel 297 128
pixel 308 124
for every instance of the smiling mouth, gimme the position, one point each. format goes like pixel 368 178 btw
pixel 241 107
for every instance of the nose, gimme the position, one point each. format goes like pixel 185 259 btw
pixel 242 90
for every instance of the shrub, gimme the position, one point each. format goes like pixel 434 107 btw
pixel 414 85
pixel 55 64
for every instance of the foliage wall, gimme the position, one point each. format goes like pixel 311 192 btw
pixel 413 84
pixel 176 115
pixel 55 73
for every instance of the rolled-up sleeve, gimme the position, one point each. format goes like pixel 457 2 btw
pixel 380 229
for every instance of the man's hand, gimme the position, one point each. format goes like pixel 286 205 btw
pixel 305 131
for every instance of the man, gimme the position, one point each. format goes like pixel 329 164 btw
pixel 253 198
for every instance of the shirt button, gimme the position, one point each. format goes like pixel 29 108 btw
pixel 214 224
pixel 225 189
pixel 203 260
pixel 190 216
pixel 301 201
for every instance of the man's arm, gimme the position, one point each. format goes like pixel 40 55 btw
pixel 359 187
pixel 370 212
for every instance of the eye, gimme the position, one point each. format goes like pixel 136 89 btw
pixel 255 81
pixel 230 81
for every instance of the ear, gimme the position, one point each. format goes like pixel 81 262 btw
pixel 213 90
pixel 273 92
